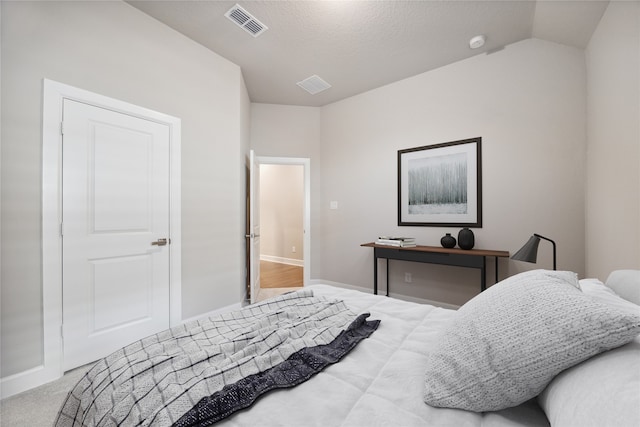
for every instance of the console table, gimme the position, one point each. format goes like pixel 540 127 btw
pixel 473 258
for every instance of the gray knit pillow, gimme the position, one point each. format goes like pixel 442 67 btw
pixel 506 344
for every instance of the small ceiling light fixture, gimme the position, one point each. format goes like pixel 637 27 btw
pixel 477 42
pixel 314 84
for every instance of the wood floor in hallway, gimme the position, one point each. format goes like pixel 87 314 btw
pixel 277 275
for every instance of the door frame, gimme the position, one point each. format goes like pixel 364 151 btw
pixel 53 95
pixel 253 225
pixel 306 218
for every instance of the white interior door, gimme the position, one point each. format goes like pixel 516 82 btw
pixel 254 226
pixel 115 213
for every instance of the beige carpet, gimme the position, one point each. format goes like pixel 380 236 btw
pixel 39 407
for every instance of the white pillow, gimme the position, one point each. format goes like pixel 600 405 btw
pixel 506 344
pixel 603 390
pixel 625 283
pixel 596 289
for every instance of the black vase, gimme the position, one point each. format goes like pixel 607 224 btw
pixel 466 239
pixel 448 241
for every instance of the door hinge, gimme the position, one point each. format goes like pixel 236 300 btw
pixel 61 128
pixel 61 229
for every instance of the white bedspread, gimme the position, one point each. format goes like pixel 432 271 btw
pixel 198 373
pixel 380 382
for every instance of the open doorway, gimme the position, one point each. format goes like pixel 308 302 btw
pixel 284 221
pixel 281 225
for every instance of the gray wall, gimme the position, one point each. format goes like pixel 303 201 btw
pixel 291 131
pixel 561 157
pixel 115 50
pixel 527 102
pixel 613 151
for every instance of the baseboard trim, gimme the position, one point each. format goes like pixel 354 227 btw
pixel 35 377
pixel 392 294
pixel 281 260
pixel 25 380
pixel 341 285
pixel 225 309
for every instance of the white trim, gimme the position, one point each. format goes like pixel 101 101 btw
pixel 391 295
pixel 175 226
pixel 225 309
pixel 53 95
pixel 306 162
pixel 23 381
pixel 424 301
pixel 281 260
pixel 341 285
pixel 34 377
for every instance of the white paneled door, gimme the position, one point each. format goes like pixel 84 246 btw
pixel 115 213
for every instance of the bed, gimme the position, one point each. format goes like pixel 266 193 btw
pixel 539 348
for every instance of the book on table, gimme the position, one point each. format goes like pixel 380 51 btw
pixel 400 242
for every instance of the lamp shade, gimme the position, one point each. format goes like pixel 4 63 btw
pixel 529 252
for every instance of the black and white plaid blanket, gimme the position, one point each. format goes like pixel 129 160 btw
pixel 203 371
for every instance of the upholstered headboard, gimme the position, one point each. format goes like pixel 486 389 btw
pixel 625 283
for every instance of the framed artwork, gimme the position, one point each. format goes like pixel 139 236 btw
pixel 441 185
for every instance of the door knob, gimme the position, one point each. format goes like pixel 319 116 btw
pixel 160 242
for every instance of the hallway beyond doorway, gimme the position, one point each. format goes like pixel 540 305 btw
pixel 278 275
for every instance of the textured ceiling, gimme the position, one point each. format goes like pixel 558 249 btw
pixel 360 45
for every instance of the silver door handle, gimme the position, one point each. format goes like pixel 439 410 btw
pixel 160 242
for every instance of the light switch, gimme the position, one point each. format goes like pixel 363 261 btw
pixel 333 205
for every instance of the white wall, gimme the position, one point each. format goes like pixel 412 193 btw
pixel 527 102
pixel 613 154
pixel 115 50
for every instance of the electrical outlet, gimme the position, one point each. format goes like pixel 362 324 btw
pixel 407 277
pixel 293 249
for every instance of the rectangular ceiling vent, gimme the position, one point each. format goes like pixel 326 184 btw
pixel 314 84
pixel 246 21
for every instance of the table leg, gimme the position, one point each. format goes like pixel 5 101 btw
pixel 375 274
pixel 387 276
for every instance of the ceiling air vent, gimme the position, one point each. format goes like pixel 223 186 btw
pixel 314 84
pixel 246 21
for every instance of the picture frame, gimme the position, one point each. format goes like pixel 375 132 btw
pixel 440 185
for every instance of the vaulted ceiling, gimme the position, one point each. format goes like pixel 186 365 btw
pixel 356 46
